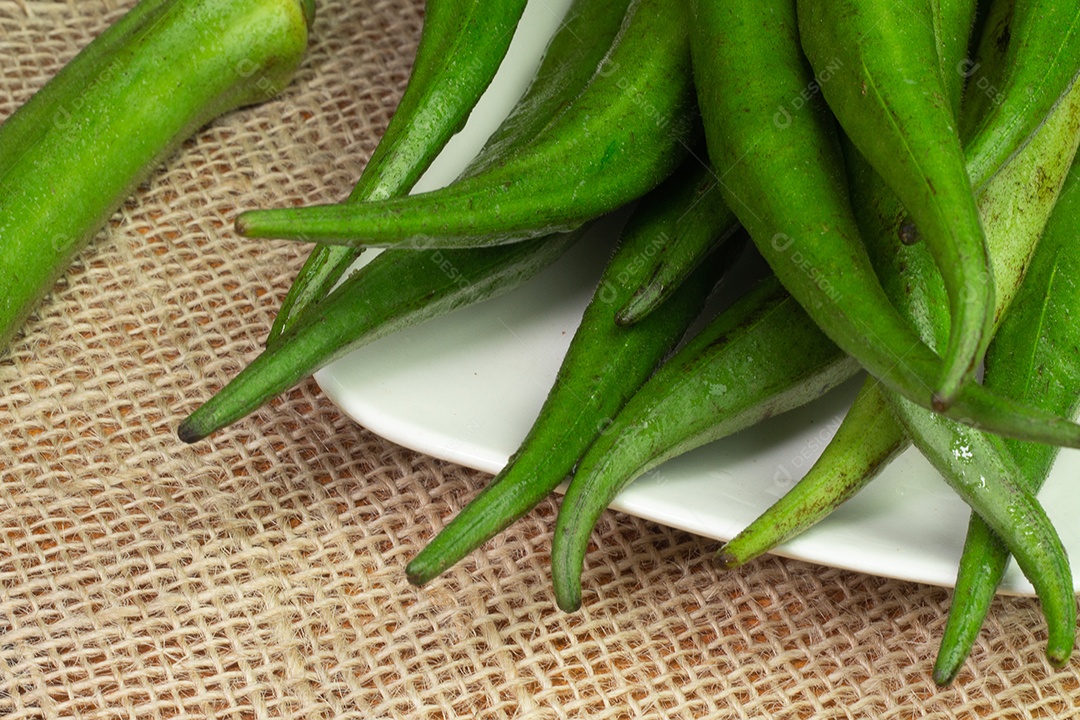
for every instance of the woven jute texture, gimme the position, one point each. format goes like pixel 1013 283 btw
pixel 260 574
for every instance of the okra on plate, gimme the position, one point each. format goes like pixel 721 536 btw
pixel 461 47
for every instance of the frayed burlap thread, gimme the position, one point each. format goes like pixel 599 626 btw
pixel 260 574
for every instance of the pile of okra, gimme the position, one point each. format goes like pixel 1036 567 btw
pixel 905 170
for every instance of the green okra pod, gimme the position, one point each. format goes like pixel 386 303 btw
pixel 76 153
pixel 25 128
pixel 785 181
pixel 867 440
pixel 1035 356
pixel 397 289
pixel 462 44
pixel 1041 64
pixel 760 357
pixel 404 283
pixel 1018 200
pixel 869 436
pixel 996 484
pixel 603 366
pixel 887 90
pixel 979 468
pixel 1018 203
pixel 627 130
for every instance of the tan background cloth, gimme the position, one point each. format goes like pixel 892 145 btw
pixel 260 574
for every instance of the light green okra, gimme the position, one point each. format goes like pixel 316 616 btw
pixel 81 147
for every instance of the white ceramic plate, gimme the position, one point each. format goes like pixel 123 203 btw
pixel 467 387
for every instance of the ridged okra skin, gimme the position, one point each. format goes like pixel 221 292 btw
pixel 397 289
pixel 461 48
pixel 70 156
pixel 627 130
pixel 889 94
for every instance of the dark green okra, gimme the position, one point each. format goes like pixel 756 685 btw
pixel 462 44
pixel 77 152
pixel 1018 199
pixel 397 289
pixel 1041 63
pixel 908 272
pixel 760 357
pixel 869 437
pixel 621 136
pixel 785 181
pixel 591 489
pixel 604 365
pixel 979 466
pixel 887 89
pixel 1035 356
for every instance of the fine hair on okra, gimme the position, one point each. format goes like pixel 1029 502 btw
pixel 629 128
pixel 71 155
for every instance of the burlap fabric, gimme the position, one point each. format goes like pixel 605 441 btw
pixel 260 574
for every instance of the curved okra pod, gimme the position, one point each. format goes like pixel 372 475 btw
pixel 621 136
pixel 168 70
pixel 699 395
pixel 867 440
pixel 888 93
pixel 1041 64
pixel 1018 200
pixel 979 468
pixel 462 44
pixel 785 181
pixel 1023 195
pixel 604 365
pixel 1035 356
pixel 395 290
